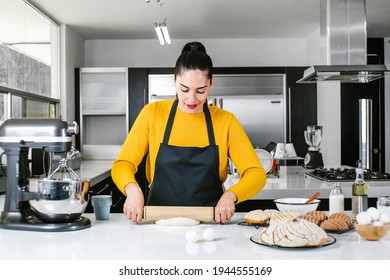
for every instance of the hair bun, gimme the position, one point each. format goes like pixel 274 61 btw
pixel 194 46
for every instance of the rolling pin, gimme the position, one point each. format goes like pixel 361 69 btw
pixel 199 213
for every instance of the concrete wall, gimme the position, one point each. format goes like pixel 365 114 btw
pixel 224 52
pixel 72 56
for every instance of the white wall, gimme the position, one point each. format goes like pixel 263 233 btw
pixel 224 52
pixel 72 56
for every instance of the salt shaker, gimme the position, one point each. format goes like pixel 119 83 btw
pixel 336 200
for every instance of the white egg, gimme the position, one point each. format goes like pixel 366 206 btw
pixel 373 213
pixel 192 236
pixel 384 219
pixel 377 224
pixel 363 218
pixel 209 234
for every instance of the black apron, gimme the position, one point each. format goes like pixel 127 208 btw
pixel 186 176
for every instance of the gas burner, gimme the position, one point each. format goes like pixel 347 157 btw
pixel 345 175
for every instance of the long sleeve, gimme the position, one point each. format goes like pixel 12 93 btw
pixel 188 130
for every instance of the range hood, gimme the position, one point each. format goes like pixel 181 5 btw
pixel 343 45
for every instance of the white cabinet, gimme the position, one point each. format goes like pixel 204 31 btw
pixel 103 111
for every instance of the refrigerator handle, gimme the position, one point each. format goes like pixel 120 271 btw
pixel 289 114
pixel 220 101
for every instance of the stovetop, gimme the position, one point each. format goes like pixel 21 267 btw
pixel 345 175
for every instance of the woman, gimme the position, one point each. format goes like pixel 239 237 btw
pixel 188 145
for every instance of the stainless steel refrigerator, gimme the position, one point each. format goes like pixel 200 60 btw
pixel 257 100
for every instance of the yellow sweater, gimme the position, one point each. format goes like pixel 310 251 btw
pixel 189 130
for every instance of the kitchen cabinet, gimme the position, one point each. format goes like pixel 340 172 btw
pixel 102 101
pixel 350 95
pixel 301 108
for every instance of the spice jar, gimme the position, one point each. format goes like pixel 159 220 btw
pixel 336 200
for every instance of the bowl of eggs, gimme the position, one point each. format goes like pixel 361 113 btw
pixel 371 224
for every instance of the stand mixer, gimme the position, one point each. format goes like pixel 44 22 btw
pixel 49 204
pixel 313 136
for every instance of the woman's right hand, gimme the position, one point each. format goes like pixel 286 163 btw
pixel 134 204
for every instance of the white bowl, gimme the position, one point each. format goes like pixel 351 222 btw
pixel 297 204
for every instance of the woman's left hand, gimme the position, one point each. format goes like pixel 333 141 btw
pixel 225 208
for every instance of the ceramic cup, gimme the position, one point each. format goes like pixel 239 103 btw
pixel 290 150
pixel 101 206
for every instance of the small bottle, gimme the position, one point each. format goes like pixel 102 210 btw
pixel 336 200
pixel 359 194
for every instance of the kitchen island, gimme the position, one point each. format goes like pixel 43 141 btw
pixel 118 238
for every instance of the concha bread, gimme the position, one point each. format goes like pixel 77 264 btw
pixel 318 214
pixel 334 225
pixel 311 218
pixel 294 232
pixel 341 216
pixel 256 217
pixel 271 212
pixel 284 215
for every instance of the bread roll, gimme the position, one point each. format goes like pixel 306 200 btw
pixel 294 232
pixel 318 214
pixel 341 216
pixel 334 225
pixel 256 217
pixel 311 218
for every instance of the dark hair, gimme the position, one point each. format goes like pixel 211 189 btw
pixel 194 57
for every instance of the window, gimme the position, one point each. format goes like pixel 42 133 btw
pixel 29 61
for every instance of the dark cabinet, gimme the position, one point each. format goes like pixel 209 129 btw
pixel 301 108
pixel 350 95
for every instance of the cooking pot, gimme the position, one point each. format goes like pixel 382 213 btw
pixel 59 201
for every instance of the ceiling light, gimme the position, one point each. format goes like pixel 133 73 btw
pixel 162 33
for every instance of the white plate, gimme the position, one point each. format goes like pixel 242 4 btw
pixel 265 159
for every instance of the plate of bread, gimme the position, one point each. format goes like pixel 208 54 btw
pixel 293 233
pixel 335 223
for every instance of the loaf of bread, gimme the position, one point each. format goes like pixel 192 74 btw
pixel 318 214
pixel 284 215
pixel 334 225
pixel 311 218
pixel 341 216
pixel 294 232
pixel 257 217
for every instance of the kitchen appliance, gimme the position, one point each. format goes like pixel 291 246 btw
pixel 313 136
pixel 365 133
pixel 49 204
pixel 345 174
pixel 343 45
pixel 258 101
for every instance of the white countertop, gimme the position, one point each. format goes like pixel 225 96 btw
pixel 119 239
pixel 293 182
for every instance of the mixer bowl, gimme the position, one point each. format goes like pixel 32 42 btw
pixel 60 201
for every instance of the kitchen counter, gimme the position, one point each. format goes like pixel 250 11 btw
pixel 120 239
pixel 293 182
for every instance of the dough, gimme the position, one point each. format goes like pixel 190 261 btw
pixel 178 222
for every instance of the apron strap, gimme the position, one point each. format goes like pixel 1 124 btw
pixel 171 118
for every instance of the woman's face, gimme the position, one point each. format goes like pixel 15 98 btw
pixel 192 88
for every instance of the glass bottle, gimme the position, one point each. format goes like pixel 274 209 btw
pixel 359 194
pixel 336 200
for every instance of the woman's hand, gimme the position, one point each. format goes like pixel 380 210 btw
pixel 225 208
pixel 134 204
